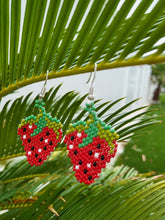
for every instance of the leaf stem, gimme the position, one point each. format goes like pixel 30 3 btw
pixel 79 70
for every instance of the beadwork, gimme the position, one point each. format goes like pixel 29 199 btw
pixel 91 144
pixel 40 135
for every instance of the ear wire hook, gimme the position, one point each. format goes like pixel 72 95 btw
pixel 43 90
pixel 91 88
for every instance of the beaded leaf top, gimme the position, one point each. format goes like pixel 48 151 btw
pixel 40 135
pixel 91 144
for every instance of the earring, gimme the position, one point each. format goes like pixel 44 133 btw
pixel 91 143
pixel 40 134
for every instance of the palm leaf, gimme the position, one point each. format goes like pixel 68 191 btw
pixel 120 192
pixel 68 37
pixel 11 145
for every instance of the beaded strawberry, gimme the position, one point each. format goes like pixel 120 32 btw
pixel 91 145
pixel 40 135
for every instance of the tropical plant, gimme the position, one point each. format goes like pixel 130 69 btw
pixel 66 38
pixel 158 77
pixel 24 189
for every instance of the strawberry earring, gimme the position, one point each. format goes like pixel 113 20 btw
pixel 91 143
pixel 40 134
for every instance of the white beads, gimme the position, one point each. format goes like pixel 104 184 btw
pixel 70 146
pixel 89 165
pixel 77 167
pixel 46 140
pixel 96 155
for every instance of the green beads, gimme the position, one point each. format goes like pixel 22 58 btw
pixel 40 125
pixel 42 120
pixel 31 117
pixel 92 132
pixel 94 127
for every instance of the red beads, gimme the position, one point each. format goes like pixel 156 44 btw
pixel 88 161
pixel 40 146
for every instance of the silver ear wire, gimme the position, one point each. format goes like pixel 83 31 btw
pixel 43 90
pixel 91 88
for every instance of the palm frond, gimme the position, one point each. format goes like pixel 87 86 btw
pixel 68 37
pixel 50 190
pixel 11 145
pixel 120 192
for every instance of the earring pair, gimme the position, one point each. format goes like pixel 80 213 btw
pixel 90 144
